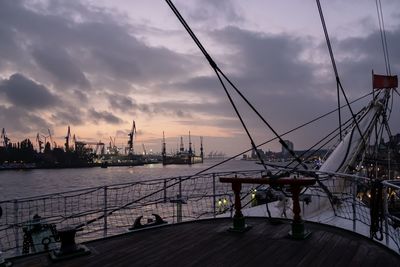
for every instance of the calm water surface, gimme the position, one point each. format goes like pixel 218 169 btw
pixel 18 184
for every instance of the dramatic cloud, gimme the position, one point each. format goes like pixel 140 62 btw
pixel 21 121
pixel 268 63
pixel 68 117
pixel 209 11
pixel 104 116
pixel 25 93
pixel 80 63
pixel 121 102
pixel 60 65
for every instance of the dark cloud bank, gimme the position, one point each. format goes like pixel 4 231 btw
pixel 54 55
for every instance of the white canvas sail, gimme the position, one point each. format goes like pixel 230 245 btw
pixel 353 144
pixel 343 158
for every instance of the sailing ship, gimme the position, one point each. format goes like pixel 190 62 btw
pixel 329 196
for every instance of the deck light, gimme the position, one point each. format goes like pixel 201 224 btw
pixel 253 193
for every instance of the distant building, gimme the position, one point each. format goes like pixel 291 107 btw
pixel 285 152
pixel 254 153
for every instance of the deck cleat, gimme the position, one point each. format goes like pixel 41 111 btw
pixel 69 249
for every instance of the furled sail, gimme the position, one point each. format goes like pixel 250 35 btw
pixel 354 143
pixel 343 159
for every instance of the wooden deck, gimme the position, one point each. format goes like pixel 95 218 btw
pixel 208 243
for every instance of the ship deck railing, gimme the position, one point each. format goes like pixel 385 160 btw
pixel 112 209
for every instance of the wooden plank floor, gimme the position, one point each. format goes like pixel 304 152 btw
pixel 208 243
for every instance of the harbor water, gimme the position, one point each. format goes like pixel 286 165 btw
pixel 27 183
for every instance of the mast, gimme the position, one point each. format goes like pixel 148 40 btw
pixel 201 149
pixel 344 157
pixel 164 150
pixel 190 150
pixel 181 147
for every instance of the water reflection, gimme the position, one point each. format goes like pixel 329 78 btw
pixel 18 184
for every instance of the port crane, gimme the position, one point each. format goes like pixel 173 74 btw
pixel 5 138
pixel 80 146
pixel 144 150
pixel 113 149
pixel 67 139
pixel 45 139
pixel 52 145
pixel 39 142
pixel 131 138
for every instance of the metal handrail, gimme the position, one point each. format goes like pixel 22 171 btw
pixel 203 196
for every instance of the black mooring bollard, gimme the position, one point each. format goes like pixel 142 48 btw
pixel 68 248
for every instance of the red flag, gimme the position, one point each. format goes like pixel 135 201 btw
pixel 382 81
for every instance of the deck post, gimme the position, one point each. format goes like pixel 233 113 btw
pixel 298 231
pixel 239 224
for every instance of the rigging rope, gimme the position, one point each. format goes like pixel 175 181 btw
pixel 219 71
pixel 253 145
pixel 328 43
pixel 383 36
pixel 338 83
pixel 216 70
pixel 220 163
pixel 283 134
pixel 386 117
pixel 346 125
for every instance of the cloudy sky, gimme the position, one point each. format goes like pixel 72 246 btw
pixel 98 65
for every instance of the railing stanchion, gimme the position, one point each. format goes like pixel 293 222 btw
pixel 65 206
pixel 214 197
pixel 180 186
pixel 165 190
pixel 105 211
pixel 386 213
pixel 179 203
pixel 354 188
pixel 16 226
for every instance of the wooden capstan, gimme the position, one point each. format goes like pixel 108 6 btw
pixel 296 185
